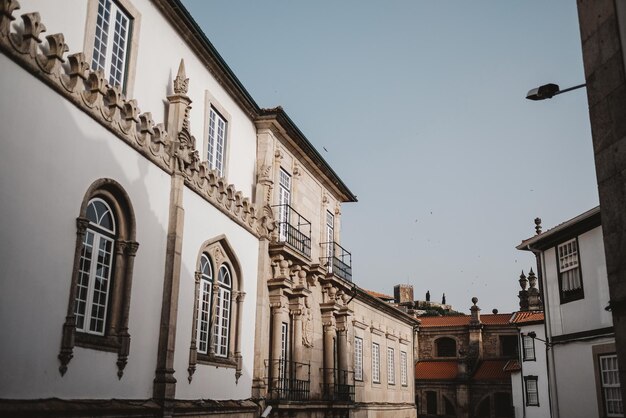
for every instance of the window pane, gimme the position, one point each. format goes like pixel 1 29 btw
pixel 358 358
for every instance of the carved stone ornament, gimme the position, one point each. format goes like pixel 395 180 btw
pixel 307 328
pixel 70 76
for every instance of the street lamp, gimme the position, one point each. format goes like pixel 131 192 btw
pixel 533 335
pixel 547 91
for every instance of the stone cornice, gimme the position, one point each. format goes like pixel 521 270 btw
pixel 89 91
pixel 378 304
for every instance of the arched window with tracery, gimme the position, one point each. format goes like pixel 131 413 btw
pixel 96 263
pixel 222 314
pixel 204 304
pixel 218 308
pixel 100 289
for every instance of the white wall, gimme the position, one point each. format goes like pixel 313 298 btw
pixel 537 367
pixel 202 223
pixel 584 314
pixel 575 379
pixel 158 56
pixel 50 154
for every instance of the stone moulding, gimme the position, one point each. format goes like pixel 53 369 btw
pixel 88 90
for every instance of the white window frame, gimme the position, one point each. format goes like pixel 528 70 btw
pixel 403 369
pixel 569 266
pixel 112 42
pixel 92 300
pixel 611 387
pixel 375 363
pixel 358 358
pixel 221 328
pixel 391 366
pixel 284 200
pixel 531 389
pixel 205 299
pixel 217 141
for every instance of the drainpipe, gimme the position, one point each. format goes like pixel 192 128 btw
pixel 549 353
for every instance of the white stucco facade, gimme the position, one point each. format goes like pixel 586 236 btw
pixel 579 328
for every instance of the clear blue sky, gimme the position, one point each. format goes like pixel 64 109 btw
pixel 421 107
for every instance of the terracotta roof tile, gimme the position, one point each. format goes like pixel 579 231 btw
pixel 527 317
pixel 491 370
pixel 512 366
pixel 378 295
pixel 436 370
pixel 462 320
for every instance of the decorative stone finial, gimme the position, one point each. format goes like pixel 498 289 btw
pixel 181 82
pixel 538 225
pixel 532 279
pixel 494 311
pixel 474 300
pixel 523 281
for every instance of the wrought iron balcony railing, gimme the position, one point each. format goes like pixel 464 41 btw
pixel 337 260
pixel 289 380
pixel 338 385
pixel 293 229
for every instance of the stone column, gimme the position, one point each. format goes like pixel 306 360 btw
pixel 342 344
pixel 296 314
pixel 275 344
pixel 330 331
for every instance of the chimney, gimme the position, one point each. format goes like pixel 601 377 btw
pixel 403 293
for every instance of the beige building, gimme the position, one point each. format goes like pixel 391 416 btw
pixel 317 331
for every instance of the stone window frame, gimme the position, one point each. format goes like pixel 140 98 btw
pixel 376 365
pixel 446 337
pixel 116 337
pixel 220 253
pixel 211 103
pixel 359 377
pixel 391 366
pixel 404 368
pixel 598 351
pixel 133 44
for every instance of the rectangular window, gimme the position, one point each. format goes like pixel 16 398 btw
pixel 358 358
pixel 375 363
pixel 528 345
pixel 216 141
pixel 391 366
pixel 284 200
pixel 570 280
pixel 532 394
pixel 403 369
pixel 611 389
pixel 112 38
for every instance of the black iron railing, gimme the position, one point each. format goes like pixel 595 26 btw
pixel 338 385
pixel 289 380
pixel 337 260
pixel 293 229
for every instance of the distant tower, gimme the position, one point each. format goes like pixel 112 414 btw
pixel 428 296
pixel 403 293
pixel 443 299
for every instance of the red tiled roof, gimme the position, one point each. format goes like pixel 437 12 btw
pixel 512 366
pixel 527 317
pixel 378 295
pixel 436 370
pixel 491 370
pixel 462 320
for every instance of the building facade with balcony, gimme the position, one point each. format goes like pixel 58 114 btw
pixel 582 356
pixel 307 333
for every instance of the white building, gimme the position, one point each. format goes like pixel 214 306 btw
pixel 129 248
pixel 582 364
pixel 529 374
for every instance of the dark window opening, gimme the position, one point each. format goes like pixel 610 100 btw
pixel 446 347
